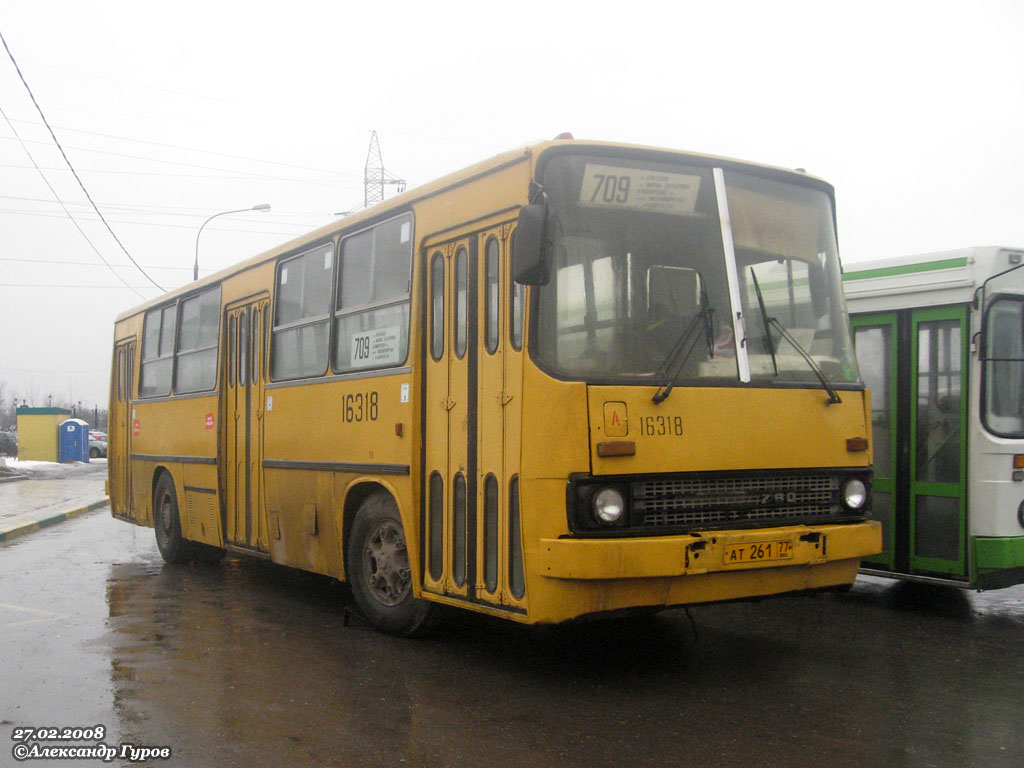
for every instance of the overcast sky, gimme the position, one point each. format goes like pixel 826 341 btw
pixel 173 112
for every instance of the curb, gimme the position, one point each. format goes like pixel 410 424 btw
pixel 21 529
pixel 12 478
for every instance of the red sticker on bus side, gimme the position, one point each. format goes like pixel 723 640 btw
pixel 209 421
pixel 137 427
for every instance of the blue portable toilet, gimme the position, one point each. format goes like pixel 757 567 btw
pixel 73 441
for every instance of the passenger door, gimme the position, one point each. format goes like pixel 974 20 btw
pixel 473 406
pixel 875 338
pixel 913 363
pixel 938 441
pixel 119 429
pixel 242 466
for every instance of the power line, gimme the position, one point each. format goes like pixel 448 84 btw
pixel 90 264
pixel 66 160
pixel 76 285
pixel 300 228
pixel 235 175
pixel 72 218
pixel 197 151
pixel 149 159
pixel 167 210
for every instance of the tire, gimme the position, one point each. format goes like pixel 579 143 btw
pixel 94 453
pixel 173 547
pixel 379 572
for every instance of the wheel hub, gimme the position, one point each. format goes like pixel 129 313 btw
pixel 386 564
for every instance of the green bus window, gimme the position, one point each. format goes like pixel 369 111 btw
pixel 874 359
pixel 938 402
pixel 1003 384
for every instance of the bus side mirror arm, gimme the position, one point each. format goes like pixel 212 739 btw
pixel 530 262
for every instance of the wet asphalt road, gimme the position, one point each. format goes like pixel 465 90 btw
pixel 249 664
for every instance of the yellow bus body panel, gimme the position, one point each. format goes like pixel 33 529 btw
pixel 701 429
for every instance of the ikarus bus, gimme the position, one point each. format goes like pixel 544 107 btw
pixel 940 342
pixel 576 379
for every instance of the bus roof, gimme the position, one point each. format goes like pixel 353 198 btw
pixel 927 279
pixel 521 154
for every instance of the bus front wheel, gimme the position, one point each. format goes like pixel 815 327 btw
pixel 379 571
pixel 173 547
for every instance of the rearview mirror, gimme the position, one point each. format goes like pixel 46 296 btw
pixel 530 264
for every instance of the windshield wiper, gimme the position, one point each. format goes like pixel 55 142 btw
pixel 673 364
pixel 765 320
pixel 833 396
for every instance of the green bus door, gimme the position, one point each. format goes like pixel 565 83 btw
pixel 914 363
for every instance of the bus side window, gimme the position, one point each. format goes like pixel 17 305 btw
pixel 158 351
pixel 371 325
pixel 518 301
pixel 257 342
pixel 232 345
pixel 121 353
pixel 298 347
pixel 196 358
pixel 492 297
pixel 437 306
pixel 461 302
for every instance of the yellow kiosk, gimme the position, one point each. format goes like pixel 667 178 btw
pixel 37 432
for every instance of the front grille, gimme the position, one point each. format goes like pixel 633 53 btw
pixel 732 500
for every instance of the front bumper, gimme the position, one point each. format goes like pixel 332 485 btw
pixel 702 553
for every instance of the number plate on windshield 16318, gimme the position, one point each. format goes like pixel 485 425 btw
pixel 757 551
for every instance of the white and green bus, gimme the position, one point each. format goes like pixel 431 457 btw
pixel 940 343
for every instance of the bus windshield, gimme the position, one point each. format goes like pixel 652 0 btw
pixel 637 253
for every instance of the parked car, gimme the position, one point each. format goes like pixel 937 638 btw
pixel 97 447
pixel 9 443
pixel 98 435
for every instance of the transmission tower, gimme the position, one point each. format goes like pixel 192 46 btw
pixel 375 178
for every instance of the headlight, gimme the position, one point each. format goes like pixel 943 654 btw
pixel 609 506
pixel 855 494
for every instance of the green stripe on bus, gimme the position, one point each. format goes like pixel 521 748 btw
pixel 907 269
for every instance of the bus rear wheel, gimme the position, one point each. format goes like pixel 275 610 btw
pixel 173 547
pixel 379 571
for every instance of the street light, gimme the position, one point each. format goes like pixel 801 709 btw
pixel 260 207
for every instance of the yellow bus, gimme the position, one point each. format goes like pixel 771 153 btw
pixel 517 390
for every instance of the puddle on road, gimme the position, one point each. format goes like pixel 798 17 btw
pixel 247 661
